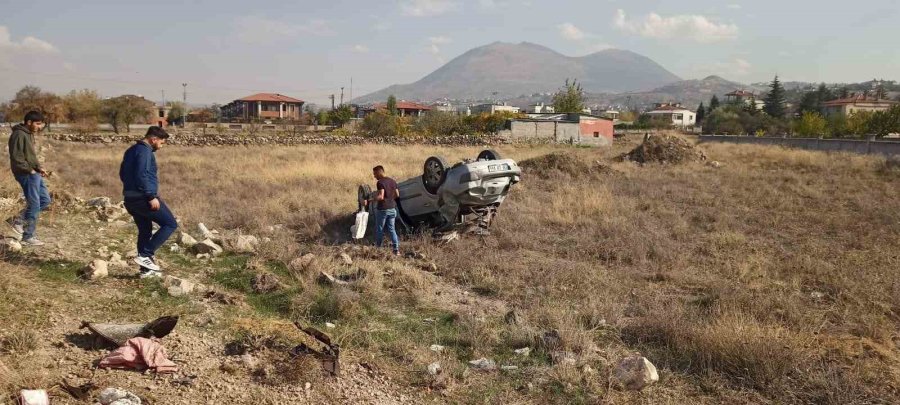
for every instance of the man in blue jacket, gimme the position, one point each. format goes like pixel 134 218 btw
pixel 140 184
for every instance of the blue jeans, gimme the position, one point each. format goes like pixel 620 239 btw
pixel 386 219
pixel 147 241
pixel 37 199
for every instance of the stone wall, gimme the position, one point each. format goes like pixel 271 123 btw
pixel 889 148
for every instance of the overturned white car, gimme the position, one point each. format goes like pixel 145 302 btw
pixel 446 196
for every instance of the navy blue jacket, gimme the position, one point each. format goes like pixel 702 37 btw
pixel 138 173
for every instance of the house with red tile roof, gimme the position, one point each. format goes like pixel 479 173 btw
pixel 856 103
pixel 264 106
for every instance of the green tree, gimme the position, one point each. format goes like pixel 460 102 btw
pixel 177 112
pixel 440 123
pixel 775 100
pixel 323 118
pixel 30 98
pixel 701 113
pixel 120 112
pixel 883 123
pixel 83 109
pixel 811 125
pixel 392 105
pixel 857 124
pixel 569 99
pixel 844 92
pixel 341 115
pixel 381 124
pixel 713 103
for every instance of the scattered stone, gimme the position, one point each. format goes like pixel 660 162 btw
pixel 483 364
pixel 208 247
pixel 634 373
pixel 563 358
pixel 817 295
pixel 434 368
pixel 204 231
pixel 203 256
pixel 115 396
pixel 436 348
pixel 223 297
pixel 245 244
pixel 102 202
pixel 115 260
pixel 186 240
pixel 248 361
pixel 525 351
pixel 178 286
pixel 346 259
pixel 96 270
pixel 327 278
pixel 303 262
pixel 509 368
pixel 330 325
pixel 715 164
pixel 33 397
pixel 587 370
pixel 450 237
pixel 174 248
pixel 11 246
pixel 513 317
pixel 265 282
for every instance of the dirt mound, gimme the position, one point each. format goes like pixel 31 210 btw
pixel 665 149
pixel 556 164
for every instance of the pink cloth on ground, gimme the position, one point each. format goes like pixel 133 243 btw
pixel 140 353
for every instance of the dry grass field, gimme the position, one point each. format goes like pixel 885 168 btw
pixel 770 279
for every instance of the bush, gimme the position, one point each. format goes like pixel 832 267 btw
pixel 381 125
pixel 441 123
pixel 811 125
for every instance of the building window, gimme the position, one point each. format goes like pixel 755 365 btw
pixel 596 134
pixel 162 113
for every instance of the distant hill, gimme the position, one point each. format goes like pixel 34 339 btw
pixel 503 70
pixel 690 93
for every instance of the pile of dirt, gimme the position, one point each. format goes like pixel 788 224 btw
pixel 665 149
pixel 554 165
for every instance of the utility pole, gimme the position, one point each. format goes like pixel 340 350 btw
pixel 184 107
pixel 332 101
pixel 342 96
pixel 351 89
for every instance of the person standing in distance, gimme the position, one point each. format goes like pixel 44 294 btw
pixel 30 174
pixel 140 184
pixel 386 195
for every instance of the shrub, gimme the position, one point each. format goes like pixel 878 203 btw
pixel 381 125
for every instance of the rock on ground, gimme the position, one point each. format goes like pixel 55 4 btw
pixel 115 396
pixel 635 373
pixel 207 247
pixel 244 244
pixel 483 364
pixel 97 269
pixel 178 286
pixel 302 263
pixel 265 282
pixel 346 259
pixel 186 240
pixel 100 202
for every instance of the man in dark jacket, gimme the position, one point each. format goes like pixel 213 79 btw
pixel 140 185
pixel 28 172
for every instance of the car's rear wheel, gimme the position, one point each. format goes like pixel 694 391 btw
pixel 489 154
pixel 434 173
pixel 363 193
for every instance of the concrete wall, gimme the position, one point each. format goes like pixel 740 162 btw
pixel 830 145
pixel 597 129
pixel 554 131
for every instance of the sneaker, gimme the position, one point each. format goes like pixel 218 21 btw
pixel 147 263
pixel 150 274
pixel 32 241
pixel 16 226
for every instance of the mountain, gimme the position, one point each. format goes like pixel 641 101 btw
pixel 690 93
pixel 502 70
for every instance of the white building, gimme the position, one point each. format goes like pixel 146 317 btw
pixel 674 114
pixel 541 109
pixel 493 108
pixel 444 107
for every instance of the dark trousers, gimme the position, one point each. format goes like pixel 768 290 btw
pixel 148 242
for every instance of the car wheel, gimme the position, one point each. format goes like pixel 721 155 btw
pixel 434 173
pixel 363 193
pixel 489 154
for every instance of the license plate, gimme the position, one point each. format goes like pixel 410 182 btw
pixel 498 168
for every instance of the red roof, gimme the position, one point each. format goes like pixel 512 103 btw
pixel 271 97
pixel 670 108
pixel 861 98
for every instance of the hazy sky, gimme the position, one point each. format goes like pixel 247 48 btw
pixel 227 49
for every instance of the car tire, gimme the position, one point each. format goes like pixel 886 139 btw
pixel 434 173
pixel 489 154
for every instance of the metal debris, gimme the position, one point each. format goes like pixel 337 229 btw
pixel 118 334
pixel 329 354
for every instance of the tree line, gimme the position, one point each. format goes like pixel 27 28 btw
pixel 806 120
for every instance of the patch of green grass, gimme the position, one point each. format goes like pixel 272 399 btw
pixel 276 303
pixel 59 270
pixel 235 279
